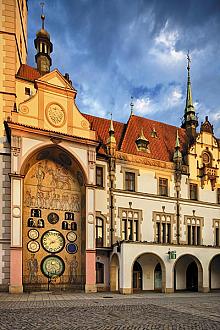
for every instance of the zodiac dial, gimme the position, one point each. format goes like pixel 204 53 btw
pixel 52 241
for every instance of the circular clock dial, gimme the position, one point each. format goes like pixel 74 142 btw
pixel 71 248
pixel 52 241
pixel 52 266
pixel 33 246
pixel 53 218
pixel 71 236
pixel 33 234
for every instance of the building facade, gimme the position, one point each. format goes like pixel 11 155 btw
pixel 94 204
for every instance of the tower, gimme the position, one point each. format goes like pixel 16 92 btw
pixel 190 120
pixel 13 50
pixel 44 48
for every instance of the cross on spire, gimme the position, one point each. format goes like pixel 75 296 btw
pixel 189 60
pixel 132 105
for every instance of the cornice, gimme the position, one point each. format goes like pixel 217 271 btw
pixel 50 134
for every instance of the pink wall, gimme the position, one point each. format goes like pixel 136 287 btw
pixel 90 267
pixel 16 267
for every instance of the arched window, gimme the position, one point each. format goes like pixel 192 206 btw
pixel 99 232
pixel 99 272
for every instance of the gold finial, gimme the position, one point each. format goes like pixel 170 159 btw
pixel 42 13
pixel 189 60
pixel 132 105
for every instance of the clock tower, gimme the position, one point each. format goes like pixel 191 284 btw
pixel 44 48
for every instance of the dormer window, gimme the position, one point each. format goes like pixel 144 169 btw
pixel 142 143
pixel 154 133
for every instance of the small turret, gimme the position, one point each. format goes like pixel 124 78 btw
pixel 142 142
pixel 177 157
pixel 44 48
pixel 111 142
pixel 190 120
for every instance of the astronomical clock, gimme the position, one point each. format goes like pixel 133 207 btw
pixel 52 222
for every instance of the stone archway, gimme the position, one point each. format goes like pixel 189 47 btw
pixel 214 273
pixel 114 273
pixel 188 273
pixel 149 263
pixel 53 219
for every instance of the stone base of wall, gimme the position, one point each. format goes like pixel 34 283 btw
pixel 4 288
pixel 169 290
pixel 126 290
pixel 90 288
pixel 16 289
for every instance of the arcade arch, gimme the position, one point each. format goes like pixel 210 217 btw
pixel 188 273
pixel 148 273
pixel 214 273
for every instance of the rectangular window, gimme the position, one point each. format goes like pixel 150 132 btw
pixel 99 232
pixel 218 195
pixel 130 224
pixel 158 232
pixel 163 227
pixel 135 231
pixel 163 187
pixel 217 236
pixel 189 234
pixel 130 181
pixel 193 192
pixel 27 91
pixel 198 236
pixel 124 229
pixel 99 176
pixel 194 235
pixel 168 233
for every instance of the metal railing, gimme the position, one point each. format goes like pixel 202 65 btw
pixel 54 283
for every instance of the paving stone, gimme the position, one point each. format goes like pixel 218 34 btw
pixel 110 311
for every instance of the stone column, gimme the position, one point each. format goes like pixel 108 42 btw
pixel 168 286
pixel 203 276
pixel 16 234
pixel 125 272
pixel 90 285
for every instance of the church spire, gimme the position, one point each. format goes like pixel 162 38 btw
pixel 44 47
pixel 190 121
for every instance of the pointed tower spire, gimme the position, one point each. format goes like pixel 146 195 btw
pixel 111 142
pixel 190 121
pixel 177 157
pixel 43 46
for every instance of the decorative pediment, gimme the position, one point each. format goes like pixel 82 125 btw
pixel 55 78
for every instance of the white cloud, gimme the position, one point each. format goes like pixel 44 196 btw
pixel 170 97
pixel 164 47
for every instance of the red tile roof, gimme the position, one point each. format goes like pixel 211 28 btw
pixel 161 147
pixel 28 73
pixel 101 126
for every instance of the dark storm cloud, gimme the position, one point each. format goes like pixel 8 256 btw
pixel 118 48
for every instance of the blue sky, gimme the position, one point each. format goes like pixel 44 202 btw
pixel 121 48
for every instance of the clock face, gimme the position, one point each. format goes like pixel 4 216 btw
pixel 33 234
pixel 52 241
pixel 53 218
pixel 33 246
pixel 71 236
pixel 71 248
pixel 52 266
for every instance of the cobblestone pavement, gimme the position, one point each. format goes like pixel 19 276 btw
pixel 110 311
